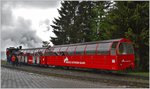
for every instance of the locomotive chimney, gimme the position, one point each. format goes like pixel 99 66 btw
pixel 20 47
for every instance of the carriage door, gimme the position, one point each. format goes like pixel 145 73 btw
pixel 113 58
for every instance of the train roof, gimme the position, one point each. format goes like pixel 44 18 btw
pixel 103 41
pixel 75 44
pixel 34 48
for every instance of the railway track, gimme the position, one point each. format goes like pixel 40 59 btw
pixel 88 75
pixel 109 73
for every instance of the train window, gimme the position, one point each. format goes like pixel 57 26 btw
pixel 43 51
pixel 113 48
pixel 91 49
pixel 56 51
pixel 48 52
pixel 125 48
pixel 24 51
pixel 71 50
pixel 63 51
pixel 31 52
pixel 28 51
pixel 35 52
pixel 103 48
pixel 40 52
pixel 80 49
pixel 21 51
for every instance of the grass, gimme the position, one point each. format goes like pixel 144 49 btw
pixel 3 62
pixel 145 74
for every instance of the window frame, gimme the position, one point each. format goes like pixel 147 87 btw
pixel 118 49
pixel 73 52
pixel 93 53
pixel 108 49
pixel 63 52
pixel 79 51
pixel 49 50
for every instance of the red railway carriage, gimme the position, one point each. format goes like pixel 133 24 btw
pixel 116 54
pixel 32 55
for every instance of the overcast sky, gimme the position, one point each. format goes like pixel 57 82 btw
pixel 26 22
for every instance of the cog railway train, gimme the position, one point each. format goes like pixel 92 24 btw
pixel 115 54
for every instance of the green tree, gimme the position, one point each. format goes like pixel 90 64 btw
pixel 89 16
pixel 63 25
pixel 46 44
pixel 83 21
pixel 78 22
pixel 130 19
pixel 99 21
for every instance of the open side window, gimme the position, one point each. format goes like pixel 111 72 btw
pixel 48 52
pixel 63 51
pixel 56 51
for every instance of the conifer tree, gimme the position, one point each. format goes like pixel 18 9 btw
pixel 130 19
pixel 63 25
pixel 99 23
pixel 83 22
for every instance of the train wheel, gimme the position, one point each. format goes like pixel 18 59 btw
pixel 108 71
pixel 94 70
pixel 46 66
pixel 128 70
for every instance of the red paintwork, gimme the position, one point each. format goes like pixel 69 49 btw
pixel 30 59
pixel 95 61
pixel 43 60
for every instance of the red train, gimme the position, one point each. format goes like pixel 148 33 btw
pixel 115 54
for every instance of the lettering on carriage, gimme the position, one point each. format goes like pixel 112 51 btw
pixel 66 60
pixel 125 60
